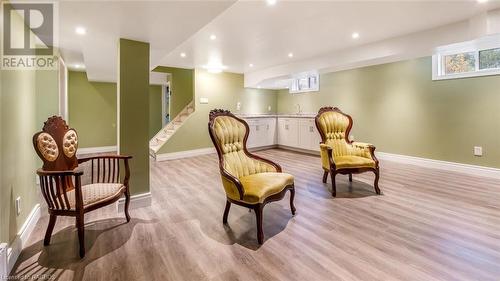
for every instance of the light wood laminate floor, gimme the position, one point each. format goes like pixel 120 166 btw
pixel 427 225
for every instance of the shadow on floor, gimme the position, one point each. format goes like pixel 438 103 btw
pixel 38 262
pixel 242 225
pixel 354 189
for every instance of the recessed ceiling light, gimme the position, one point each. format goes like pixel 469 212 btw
pixel 183 55
pixel 355 35
pixel 213 37
pixel 79 66
pixel 80 30
pixel 482 1
pixel 258 87
pixel 251 65
pixel 215 67
pixel 271 2
pixel 290 55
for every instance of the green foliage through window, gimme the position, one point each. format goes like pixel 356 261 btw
pixel 459 63
pixel 489 59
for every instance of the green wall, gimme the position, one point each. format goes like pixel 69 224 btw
pixel 133 102
pixel 47 95
pixel 401 110
pixel 27 98
pixel 182 87
pixel 155 117
pixel 92 110
pixel 223 90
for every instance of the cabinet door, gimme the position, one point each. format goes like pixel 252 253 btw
pixel 260 133
pixel 281 131
pixel 316 138
pixel 269 131
pixel 308 135
pixel 304 134
pixel 290 132
pixel 253 133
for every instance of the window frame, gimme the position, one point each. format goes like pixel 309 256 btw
pixel 474 46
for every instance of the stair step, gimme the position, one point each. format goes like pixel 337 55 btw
pixel 157 142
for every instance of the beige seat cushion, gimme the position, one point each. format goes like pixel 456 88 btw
pixel 96 193
pixel 262 185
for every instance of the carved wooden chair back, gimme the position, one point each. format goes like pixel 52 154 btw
pixel 57 145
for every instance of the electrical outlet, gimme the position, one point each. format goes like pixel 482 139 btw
pixel 268 108
pixel 18 205
pixel 478 151
pixel 203 100
pixel 238 106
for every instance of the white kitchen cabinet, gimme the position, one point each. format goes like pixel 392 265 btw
pixel 253 134
pixel 268 131
pixel 294 132
pixel 309 137
pixel 262 132
pixel 288 131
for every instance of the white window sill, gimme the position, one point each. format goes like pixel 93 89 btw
pixel 467 74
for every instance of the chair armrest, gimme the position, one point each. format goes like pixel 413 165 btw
pixel 85 159
pixel 368 148
pixel 42 172
pixel 54 186
pixel 328 150
pixel 108 168
pixel 362 144
pixel 225 174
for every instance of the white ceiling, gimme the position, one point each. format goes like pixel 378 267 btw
pixel 247 31
pixel 164 24
pixel 253 32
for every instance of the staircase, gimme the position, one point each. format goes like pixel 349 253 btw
pixel 166 132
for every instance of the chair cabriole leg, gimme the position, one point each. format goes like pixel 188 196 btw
pixel 334 186
pixel 81 234
pixel 350 177
pixel 226 212
pixel 258 213
pixel 375 183
pixel 127 203
pixel 325 176
pixel 50 228
pixel 292 196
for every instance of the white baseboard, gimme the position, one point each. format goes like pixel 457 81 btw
pixel 184 154
pixel 100 149
pixel 209 150
pixel 136 201
pixel 301 150
pixel 22 237
pixel 442 165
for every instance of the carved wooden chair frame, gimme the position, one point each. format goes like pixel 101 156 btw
pixel 345 171
pixel 258 207
pixel 58 176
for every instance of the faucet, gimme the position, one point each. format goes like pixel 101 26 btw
pixel 298 108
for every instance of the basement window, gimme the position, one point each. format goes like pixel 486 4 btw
pixel 479 57
pixel 304 82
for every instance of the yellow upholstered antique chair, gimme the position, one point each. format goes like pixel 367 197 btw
pixel 248 180
pixel 339 155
